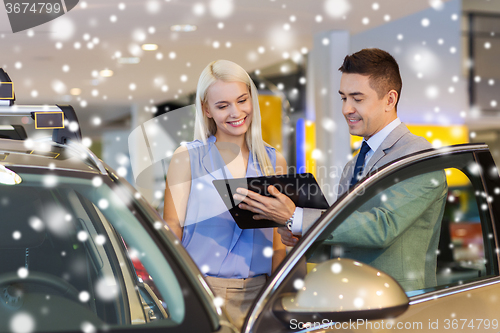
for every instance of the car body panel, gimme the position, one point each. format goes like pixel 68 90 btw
pixel 42 153
pixel 465 310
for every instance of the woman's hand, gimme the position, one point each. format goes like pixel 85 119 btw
pixel 287 237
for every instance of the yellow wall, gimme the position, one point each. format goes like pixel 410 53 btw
pixel 270 111
pixel 310 147
pixel 439 136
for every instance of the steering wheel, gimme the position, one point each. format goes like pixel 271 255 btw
pixel 49 280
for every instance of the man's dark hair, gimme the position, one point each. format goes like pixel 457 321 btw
pixel 381 68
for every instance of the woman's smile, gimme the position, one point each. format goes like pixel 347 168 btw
pixel 238 122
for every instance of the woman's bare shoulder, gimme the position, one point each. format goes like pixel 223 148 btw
pixel 281 165
pixel 179 167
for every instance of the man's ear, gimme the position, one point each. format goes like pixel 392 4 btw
pixel 392 99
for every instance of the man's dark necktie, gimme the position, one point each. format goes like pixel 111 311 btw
pixel 360 162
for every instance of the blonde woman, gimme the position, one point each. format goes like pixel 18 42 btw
pixel 227 144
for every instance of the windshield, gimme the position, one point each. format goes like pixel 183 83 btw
pixel 73 256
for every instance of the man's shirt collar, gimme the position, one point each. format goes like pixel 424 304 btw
pixel 376 140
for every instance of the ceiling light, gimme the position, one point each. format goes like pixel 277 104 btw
pixel 183 28
pixel 106 73
pixel 75 91
pixel 149 47
pixel 130 60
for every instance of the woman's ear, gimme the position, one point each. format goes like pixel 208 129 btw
pixel 206 110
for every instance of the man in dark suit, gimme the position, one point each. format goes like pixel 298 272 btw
pixel 382 232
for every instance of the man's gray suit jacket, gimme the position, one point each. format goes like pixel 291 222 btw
pixel 396 231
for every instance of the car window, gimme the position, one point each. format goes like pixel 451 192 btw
pixel 155 306
pixel 427 229
pixel 396 230
pixel 461 253
pixel 415 222
pixel 68 250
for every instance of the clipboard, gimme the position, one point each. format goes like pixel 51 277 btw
pixel 302 188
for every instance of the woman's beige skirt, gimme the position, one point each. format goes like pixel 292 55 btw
pixel 238 294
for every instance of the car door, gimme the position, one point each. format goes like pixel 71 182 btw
pixel 428 222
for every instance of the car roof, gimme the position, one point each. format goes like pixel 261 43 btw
pixel 44 154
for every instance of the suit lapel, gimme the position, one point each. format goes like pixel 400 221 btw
pixel 382 150
pixel 387 144
pixel 346 176
pixel 379 153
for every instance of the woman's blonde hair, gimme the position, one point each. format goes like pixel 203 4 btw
pixel 228 71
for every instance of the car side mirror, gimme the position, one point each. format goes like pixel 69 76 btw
pixel 341 290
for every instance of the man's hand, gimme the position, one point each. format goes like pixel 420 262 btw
pixel 287 237
pixel 278 208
